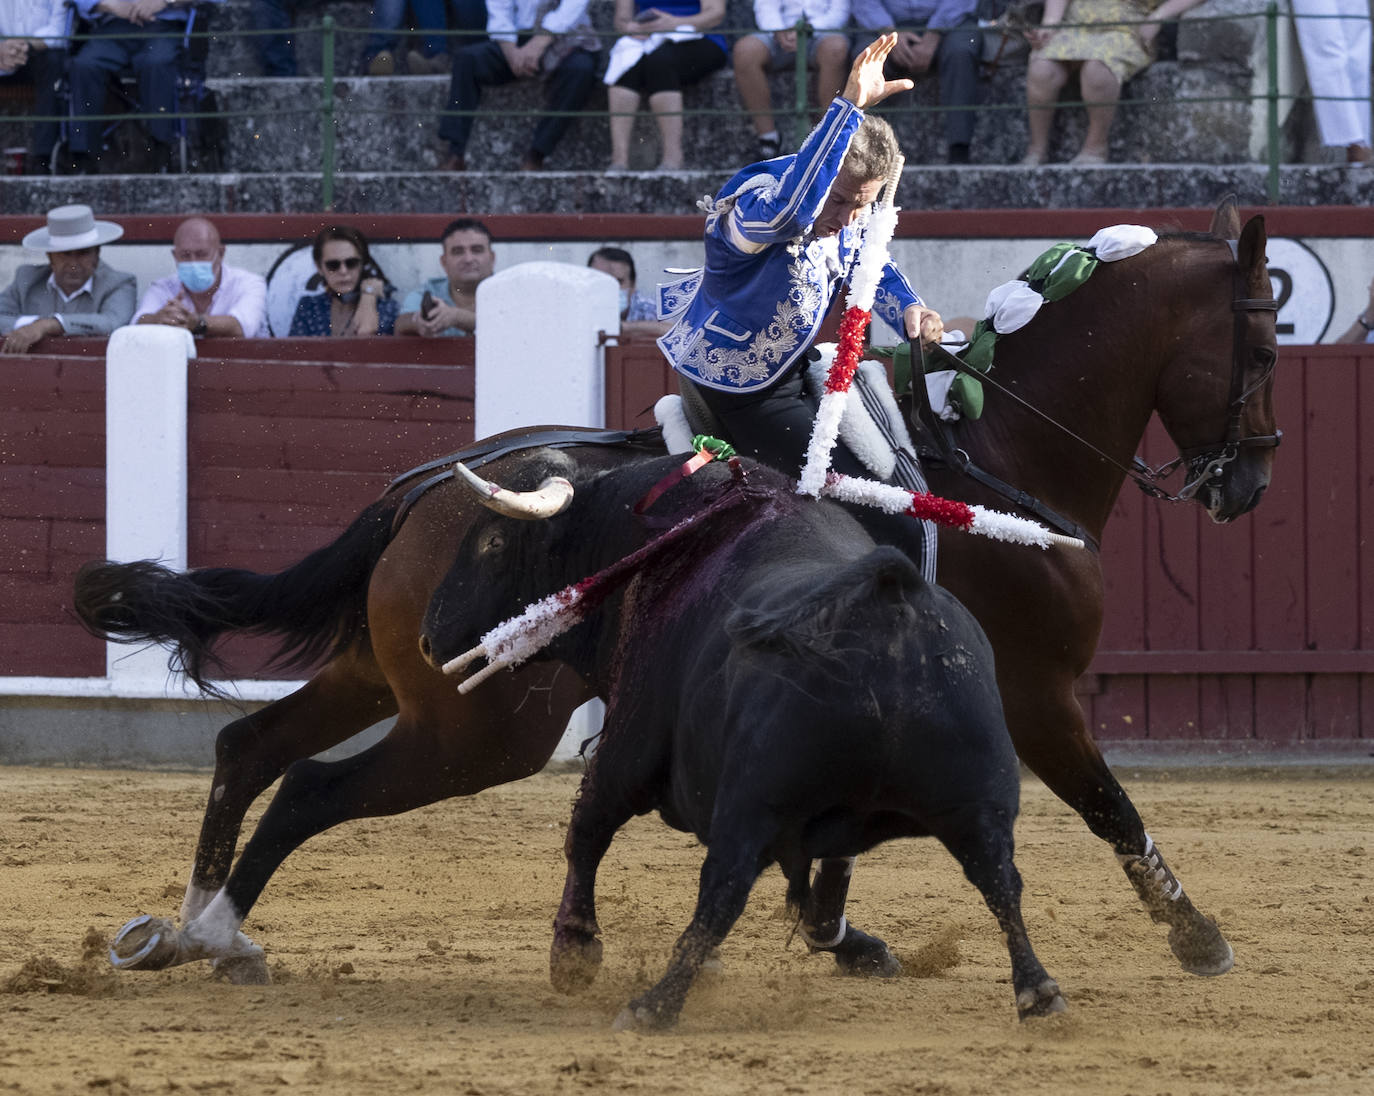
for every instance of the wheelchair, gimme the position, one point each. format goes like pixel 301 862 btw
pixel 123 146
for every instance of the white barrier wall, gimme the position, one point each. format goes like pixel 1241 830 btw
pixel 552 314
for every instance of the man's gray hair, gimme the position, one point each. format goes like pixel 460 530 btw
pixel 874 151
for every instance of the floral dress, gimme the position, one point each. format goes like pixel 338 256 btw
pixel 1107 40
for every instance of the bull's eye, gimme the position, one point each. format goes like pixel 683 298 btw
pixel 494 541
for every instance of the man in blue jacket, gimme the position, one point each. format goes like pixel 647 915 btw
pixel 781 237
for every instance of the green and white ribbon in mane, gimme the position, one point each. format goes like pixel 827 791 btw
pixel 1012 305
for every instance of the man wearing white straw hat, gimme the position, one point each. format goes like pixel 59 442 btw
pixel 73 293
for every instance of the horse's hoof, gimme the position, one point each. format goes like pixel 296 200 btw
pixel 1201 948
pixel 574 962
pixel 1042 1000
pixel 243 970
pixel 642 1018
pixel 863 956
pixel 145 943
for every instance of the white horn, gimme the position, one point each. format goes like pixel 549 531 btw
pixel 550 498
pixel 457 665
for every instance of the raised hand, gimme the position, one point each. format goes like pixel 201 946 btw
pixel 867 85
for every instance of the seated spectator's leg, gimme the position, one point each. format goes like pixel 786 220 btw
pixel 683 63
pixel 47 67
pixel 621 103
pixel 91 67
pixel 467 15
pixel 832 66
pixel 752 58
pixel 435 53
pixel 1101 90
pixel 568 89
pixel 957 59
pixel 276 52
pixel 154 64
pixel 379 50
pixel 667 108
pixel 474 67
pixel 1045 79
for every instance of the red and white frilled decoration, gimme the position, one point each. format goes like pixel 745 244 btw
pixel 863 287
pixel 942 511
pixel 519 638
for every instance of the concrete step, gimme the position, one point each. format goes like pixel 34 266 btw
pixel 478 192
pixel 391 123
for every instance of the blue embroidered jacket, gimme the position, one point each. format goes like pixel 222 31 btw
pixel 767 286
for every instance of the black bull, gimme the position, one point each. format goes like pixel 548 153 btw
pixel 776 684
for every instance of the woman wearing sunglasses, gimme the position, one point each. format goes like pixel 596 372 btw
pixel 357 298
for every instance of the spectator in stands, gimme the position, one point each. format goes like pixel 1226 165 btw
pixel 206 296
pixel 1362 330
pixel 447 305
pixel 939 36
pixel 159 26
pixel 774 49
pixel 560 49
pixel 1336 53
pixel 33 50
pixel 664 48
pixel 73 293
pixel 1119 45
pixel 434 56
pixel 357 298
pixel 638 314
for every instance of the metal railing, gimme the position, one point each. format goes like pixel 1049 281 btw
pixel 329 31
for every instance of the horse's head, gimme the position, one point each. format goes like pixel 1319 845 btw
pixel 1216 396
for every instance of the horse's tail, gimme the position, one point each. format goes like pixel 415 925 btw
pixel 808 627
pixel 318 606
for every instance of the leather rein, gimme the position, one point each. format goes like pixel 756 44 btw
pixel 1205 463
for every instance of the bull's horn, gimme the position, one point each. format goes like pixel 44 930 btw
pixel 550 498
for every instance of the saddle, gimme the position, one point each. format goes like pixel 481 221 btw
pixel 871 416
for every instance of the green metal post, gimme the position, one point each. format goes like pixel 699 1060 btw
pixel 799 86
pixel 1271 24
pixel 327 115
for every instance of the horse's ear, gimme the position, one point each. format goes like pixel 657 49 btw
pixel 1250 254
pixel 1226 219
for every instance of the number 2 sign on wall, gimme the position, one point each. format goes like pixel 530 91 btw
pixel 1303 288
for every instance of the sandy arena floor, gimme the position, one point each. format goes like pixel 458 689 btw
pixel 410 955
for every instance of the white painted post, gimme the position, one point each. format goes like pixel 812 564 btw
pixel 145 472
pixel 540 361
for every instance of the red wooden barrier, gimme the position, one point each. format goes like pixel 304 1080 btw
pixel 1263 629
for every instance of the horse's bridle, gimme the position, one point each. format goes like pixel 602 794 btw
pixel 1206 463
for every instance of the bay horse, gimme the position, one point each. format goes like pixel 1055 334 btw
pixel 1185 329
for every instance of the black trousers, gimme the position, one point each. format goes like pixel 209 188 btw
pixel 484 65
pixel 774 425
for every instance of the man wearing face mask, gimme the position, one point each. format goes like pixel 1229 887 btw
pixel 638 314
pixel 205 296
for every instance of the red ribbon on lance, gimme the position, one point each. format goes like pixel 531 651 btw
pixel 852 327
pixel 942 511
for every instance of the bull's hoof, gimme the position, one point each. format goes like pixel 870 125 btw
pixel 863 956
pixel 1201 948
pixel 145 943
pixel 1042 1000
pixel 641 1017
pixel 574 961
pixel 243 970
